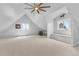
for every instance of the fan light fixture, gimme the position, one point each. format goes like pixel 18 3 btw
pixel 37 7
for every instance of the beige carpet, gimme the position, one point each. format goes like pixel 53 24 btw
pixel 35 46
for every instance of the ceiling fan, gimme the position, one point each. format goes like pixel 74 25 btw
pixel 37 7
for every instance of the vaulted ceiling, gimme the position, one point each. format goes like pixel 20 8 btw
pixel 9 13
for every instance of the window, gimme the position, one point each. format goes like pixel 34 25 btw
pixel 25 26
pixel 17 26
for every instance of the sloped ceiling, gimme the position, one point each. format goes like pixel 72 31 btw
pixel 10 13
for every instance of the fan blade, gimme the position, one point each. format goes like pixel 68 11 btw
pixel 38 11
pixel 40 4
pixel 32 10
pixel 35 4
pixel 45 7
pixel 42 10
pixel 28 4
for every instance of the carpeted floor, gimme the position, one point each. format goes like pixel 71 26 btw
pixel 35 46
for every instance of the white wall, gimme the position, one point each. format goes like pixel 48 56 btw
pixel 73 10
pixel 10 13
pixel 56 34
pixel 50 29
pixel 27 28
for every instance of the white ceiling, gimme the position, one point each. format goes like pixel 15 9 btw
pixel 9 13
